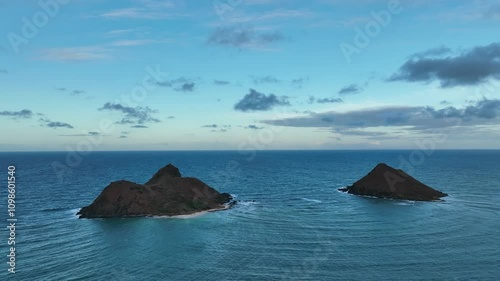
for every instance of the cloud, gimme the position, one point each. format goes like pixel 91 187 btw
pixel 444 102
pixel 73 92
pixel 77 92
pixel 186 87
pixel 298 82
pixel 25 113
pixel 471 67
pixel 254 127
pixel 350 89
pixel 181 84
pixel 145 9
pixel 118 32
pixel 219 131
pixel 221 82
pixel 243 38
pixel 91 134
pixel 3 71
pixel 58 125
pixel 332 100
pixel 210 126
pixel 237 17
pixel 139 126
pixel 266 80
pixel 75 54
pixel 170 117
pixel 123 137
pixel 420 118
pixel 312 100
pixel 215 126
pixel 439 51
pixel 137 42
pixel 256 101
pixel 132 115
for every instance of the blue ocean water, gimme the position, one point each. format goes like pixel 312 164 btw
pixel 291 223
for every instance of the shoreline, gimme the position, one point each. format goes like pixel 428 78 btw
pixel 226 206
pixel 196 214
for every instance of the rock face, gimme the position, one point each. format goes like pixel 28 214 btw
pixel 386 182
pixel 167 193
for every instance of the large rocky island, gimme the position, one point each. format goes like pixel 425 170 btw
pixel 386 182
pixel 167 193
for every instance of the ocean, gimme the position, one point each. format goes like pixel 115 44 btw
pixel 291 222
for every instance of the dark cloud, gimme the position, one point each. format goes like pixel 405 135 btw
pixel 351 89
pixel 266 80
pixel 123 137
pixel 186 87
pixel 210 126
pixel 132 115
pixel 243 37
pixel 181 84
pixel 298 82
pixel 256 101
pixel 171 117
pixel 215 126
pixel 58 125
pixel 221 82
pixel 163 83
pixel 254 127
pixel 483 112
pixel 77 92
pixel 444 102
pixel 139 126
pixel 25 113
pixel 471 67
pixel 484 109
pixel 73 92
pixel 311 100
pixel 332 100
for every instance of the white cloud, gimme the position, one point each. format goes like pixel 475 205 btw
pixel 75 53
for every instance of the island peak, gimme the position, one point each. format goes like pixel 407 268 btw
pixel 385 181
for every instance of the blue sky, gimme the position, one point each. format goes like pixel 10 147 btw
pixel 236 74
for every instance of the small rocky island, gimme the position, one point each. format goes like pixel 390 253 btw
pixel 386 182
pixel 167 193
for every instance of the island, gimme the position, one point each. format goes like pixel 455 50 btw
pixel 387 182
pixel 167 193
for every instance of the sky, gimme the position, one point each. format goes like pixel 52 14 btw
pixel 240 74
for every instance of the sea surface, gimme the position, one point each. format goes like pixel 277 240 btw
pixel 291 222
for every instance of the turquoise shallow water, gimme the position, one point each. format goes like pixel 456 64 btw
pixel 291 223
